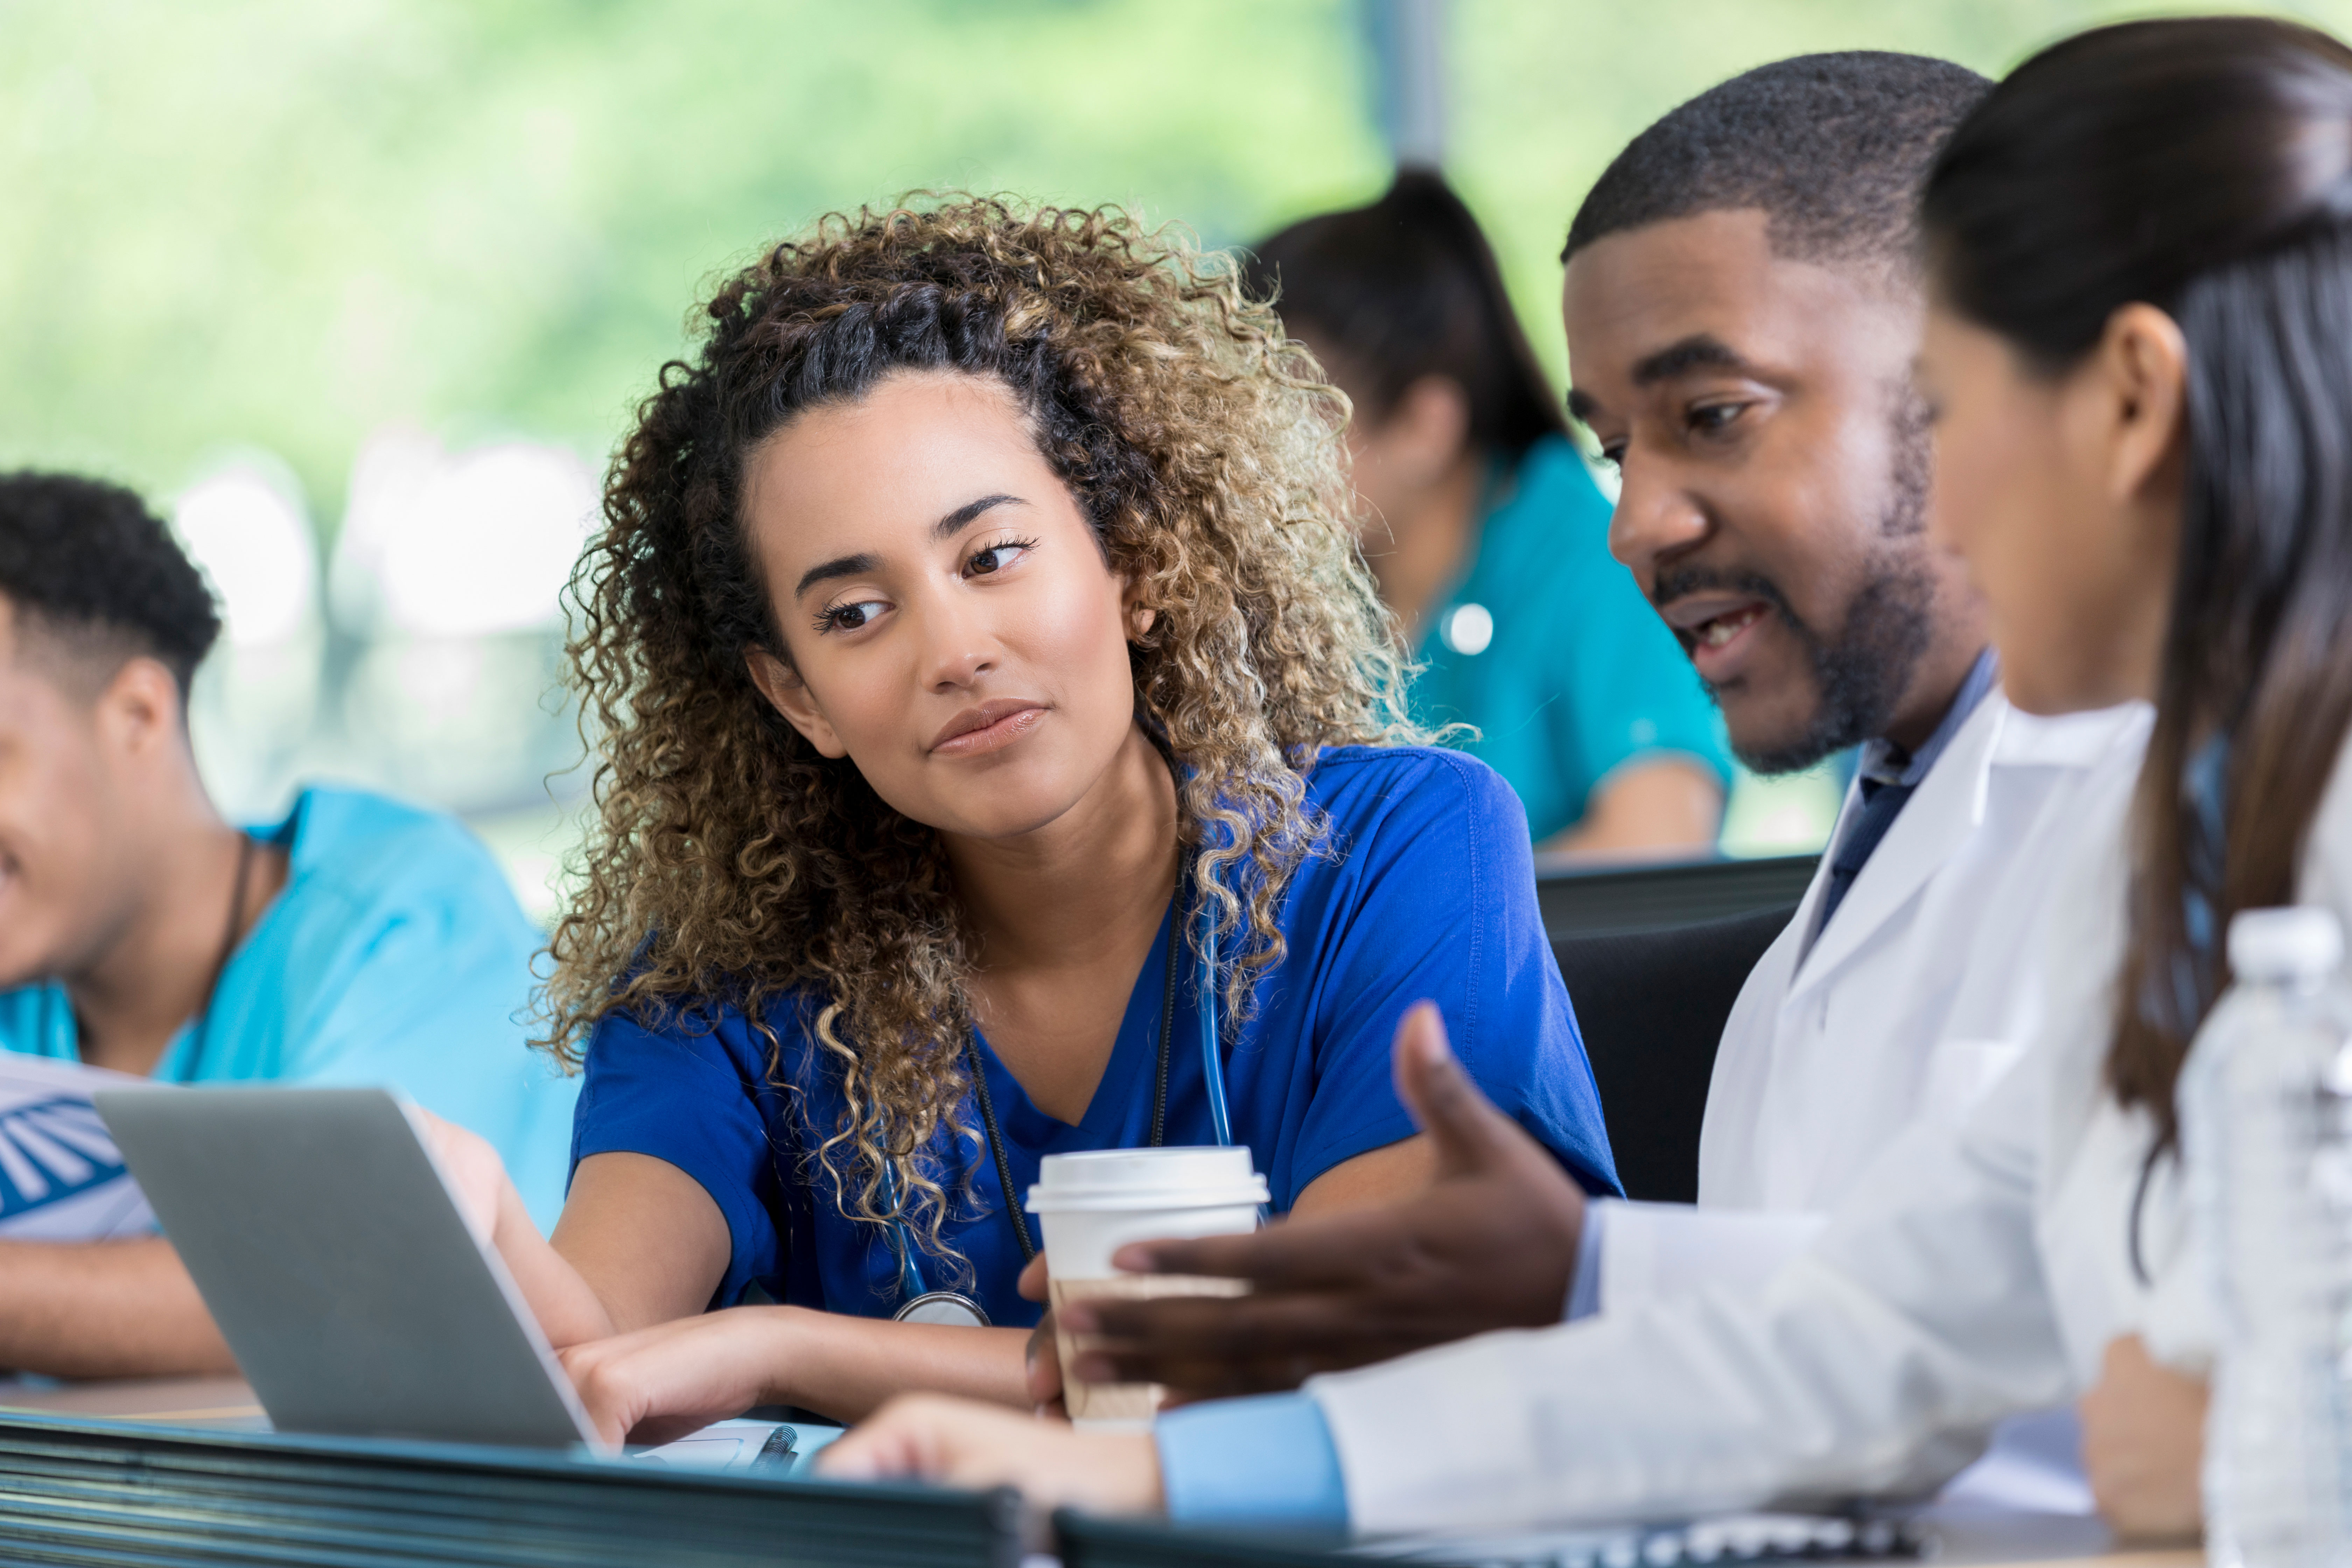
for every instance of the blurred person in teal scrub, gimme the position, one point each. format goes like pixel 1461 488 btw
pixel 358 941
pixel 1488 536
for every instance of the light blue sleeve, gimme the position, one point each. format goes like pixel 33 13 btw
pixel 36 1020
pixel 437 1006
pixel 1264 1460
pixel 1584 1291
pixel 401 960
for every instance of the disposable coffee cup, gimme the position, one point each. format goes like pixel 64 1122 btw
pixel 1091 1205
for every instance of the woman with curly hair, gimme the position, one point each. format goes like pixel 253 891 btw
pixel 991 693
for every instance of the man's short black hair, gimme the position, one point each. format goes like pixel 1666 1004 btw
pixel 1833 148
pixel 87 564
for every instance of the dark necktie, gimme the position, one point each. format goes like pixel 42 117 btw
pixel 1881 803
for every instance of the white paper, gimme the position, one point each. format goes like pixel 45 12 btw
pixel 61 1178
pixel 735 1444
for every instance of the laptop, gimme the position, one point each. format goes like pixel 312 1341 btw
pixel 335 1258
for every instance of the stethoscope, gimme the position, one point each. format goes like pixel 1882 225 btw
pixel 922 1304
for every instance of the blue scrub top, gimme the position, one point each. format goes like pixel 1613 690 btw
pixel 1428 891
pixel 1578 675
pixel 395 956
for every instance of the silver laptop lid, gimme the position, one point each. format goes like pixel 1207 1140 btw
pixel 334 1258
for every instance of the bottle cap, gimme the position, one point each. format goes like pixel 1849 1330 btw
pixel 2301 942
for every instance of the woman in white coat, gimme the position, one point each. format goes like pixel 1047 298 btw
pixel 2140 355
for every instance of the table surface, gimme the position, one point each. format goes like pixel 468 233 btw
pixel 178 1401
pixel 1963 1535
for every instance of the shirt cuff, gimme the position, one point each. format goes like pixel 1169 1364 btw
pixel 1263 1460
pixel 1584 1291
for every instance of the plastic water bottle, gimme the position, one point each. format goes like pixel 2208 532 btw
pixel 2266 1130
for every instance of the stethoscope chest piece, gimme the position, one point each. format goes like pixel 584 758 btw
pixel 949 1308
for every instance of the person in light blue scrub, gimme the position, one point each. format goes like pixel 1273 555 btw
pixel 393 954
pixel 1488 535
pixel 358 941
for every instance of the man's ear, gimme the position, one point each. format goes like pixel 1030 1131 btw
pixel 139 712
pixel 2141 370
pixel 789 696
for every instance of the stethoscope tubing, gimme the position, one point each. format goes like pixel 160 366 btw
pixel 914 1291
pixel 1213 1056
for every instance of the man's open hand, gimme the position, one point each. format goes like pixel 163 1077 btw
pixel 1490 1244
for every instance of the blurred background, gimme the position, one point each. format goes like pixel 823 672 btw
pixel 362 292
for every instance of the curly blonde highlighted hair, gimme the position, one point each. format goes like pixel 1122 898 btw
pixel 730 863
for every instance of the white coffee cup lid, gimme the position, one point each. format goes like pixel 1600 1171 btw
pixel 1112 1179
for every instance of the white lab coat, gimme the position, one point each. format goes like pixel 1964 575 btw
pixel 1911 1002
pixel 1974 1271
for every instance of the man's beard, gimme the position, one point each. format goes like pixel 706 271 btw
pixel 1864 670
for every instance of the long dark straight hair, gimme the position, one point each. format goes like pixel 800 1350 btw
pixel 2203 167
pixel 1405 288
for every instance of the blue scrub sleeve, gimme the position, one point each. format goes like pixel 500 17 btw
pixel 1263 1460
pixel 1445 911
pixel 1632 691
pixel 681 1098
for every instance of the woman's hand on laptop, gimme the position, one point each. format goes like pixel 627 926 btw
pixel 677 1377
pixel 662 1382
pixel 963 1443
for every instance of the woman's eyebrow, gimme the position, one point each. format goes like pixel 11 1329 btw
pixel 956 522
pixel 948 527
pixel 839 566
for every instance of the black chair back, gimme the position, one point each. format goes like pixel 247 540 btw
pixel 1652 1006
pixel 1583 899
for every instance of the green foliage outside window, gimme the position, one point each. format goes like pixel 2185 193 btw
pixel 283 223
